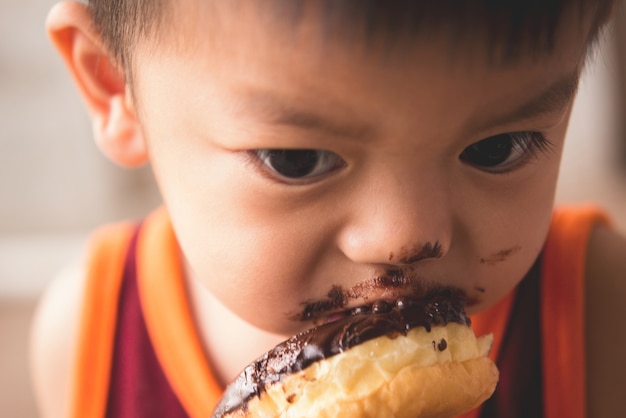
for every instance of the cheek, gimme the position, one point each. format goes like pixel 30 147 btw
pixel 245 251
pixel 507 233
pixel 236 242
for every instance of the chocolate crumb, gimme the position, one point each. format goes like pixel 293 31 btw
pixel 443 344
pixel 381 306
pixel 360 310
pixel 402 303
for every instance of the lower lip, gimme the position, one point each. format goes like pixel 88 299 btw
pixel 335 317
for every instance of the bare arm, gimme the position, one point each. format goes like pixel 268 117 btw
pixel 606 329
pixel 53 341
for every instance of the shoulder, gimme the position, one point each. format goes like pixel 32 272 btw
pixel 606 310
pixel 53 341
pixel 57 320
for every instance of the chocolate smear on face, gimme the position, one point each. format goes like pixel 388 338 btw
pixel 380 319
pixel 418 253
pixel 500 256
pixel 338 297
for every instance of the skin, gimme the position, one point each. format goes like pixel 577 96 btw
pixel 398 201
pixel 253 239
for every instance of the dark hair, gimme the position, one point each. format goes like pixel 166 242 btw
pixel 121 23
pixel 513 25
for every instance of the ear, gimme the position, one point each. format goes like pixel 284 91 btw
pixel 100 82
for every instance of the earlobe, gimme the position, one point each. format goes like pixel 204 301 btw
pixel 100 82
pixel 118 133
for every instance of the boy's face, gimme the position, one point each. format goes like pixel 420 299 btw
pixel 395 194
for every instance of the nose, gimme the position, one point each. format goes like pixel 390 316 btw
pixel 397 224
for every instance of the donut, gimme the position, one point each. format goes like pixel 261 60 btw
pixel 410 358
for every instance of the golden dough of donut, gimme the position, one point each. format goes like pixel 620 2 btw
pixel 443 372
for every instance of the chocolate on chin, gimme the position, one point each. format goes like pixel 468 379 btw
pixel 409 359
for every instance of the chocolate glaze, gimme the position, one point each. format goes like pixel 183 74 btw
pixel 360 325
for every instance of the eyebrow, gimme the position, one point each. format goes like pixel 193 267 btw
pixel 270 108
pixel 555 98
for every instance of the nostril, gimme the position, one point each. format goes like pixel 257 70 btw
pixel 417 253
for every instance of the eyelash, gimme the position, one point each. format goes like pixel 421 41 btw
pixel 317 164
pixel 527 144
pixel 489 155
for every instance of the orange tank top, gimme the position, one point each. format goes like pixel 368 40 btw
pixel 173 335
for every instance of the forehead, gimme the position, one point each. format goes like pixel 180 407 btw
pixel 308 35
pixel 261 61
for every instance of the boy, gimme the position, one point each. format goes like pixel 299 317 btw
pixel 314 157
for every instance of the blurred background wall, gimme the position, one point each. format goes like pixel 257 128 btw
pixel 55 186
pixel 54 183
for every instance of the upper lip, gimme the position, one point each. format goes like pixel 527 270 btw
pixel 327 310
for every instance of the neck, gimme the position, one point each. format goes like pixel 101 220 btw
pixel 229 342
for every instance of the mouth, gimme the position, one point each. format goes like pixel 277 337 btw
pixel 379 306
pixel 382 305
pixel 394 288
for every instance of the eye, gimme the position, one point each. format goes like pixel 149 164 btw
pixel 505 152
pixel 299 164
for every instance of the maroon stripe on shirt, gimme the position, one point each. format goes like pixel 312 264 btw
pixel 138 387
pixel 519 391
